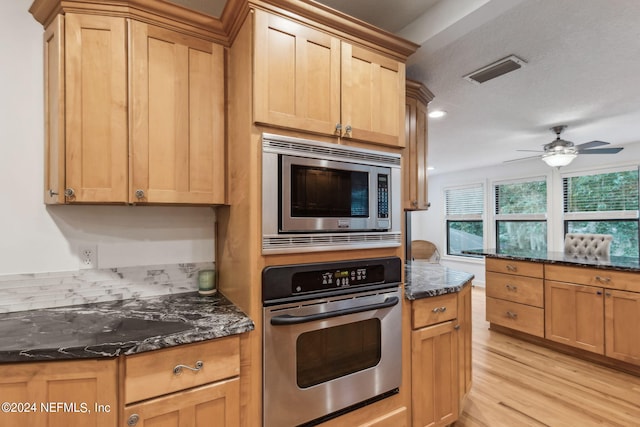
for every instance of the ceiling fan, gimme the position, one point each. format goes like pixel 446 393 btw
pixel 561 152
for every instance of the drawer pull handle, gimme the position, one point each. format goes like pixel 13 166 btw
pixel 511 267
pixel 439 309
pixel 603 279
pixel 513 288
pixel 512 315
pixel 178 369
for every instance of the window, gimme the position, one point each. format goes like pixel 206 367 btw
pixel 521 217
pixel 604 203
pixel 464 208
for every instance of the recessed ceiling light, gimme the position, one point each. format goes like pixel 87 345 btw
pixel 435 114
pixel 430 168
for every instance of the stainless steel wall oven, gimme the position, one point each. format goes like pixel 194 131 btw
pixel 332 338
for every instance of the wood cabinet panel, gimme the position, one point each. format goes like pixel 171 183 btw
pixel 80 384
pixel 177 109
pixel 213 404
pixel 372 96
pixel 397 418
pixel 574 315
pixel 297 75
pixel 152 374
pixel 525 290
pixel 516 316
pixel 429 311
pixel 96 140
pixel 465 372
pixel 520 268
pixel 434 386
pixel 415 155
pixel 621 280
pixel 622 317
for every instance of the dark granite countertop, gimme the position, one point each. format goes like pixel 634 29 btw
pixel 109 329
pixel 613 263
pixel 424 280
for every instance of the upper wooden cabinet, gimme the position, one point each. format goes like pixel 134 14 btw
pixel 134 113
pixel 415 156
pixel 310 80
pixel 177 110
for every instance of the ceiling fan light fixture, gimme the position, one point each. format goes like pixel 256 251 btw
pixel 558 159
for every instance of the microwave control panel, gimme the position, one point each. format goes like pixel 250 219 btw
pixel 383 196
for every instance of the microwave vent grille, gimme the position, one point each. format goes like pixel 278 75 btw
pixel 338 152
pixel 313 243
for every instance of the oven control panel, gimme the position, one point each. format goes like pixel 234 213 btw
pixel 320 280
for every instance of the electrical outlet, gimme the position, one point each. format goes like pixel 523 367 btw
pixel 88 256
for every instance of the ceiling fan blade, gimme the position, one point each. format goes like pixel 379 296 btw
pixel 601 151
pixel 532 151
pixel 522 158
pixel 591 144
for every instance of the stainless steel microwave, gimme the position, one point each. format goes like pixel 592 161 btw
pixel 322 196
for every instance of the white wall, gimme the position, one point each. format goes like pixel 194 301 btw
pixel 430 225
pixel 35 238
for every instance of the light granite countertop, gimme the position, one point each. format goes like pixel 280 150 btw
pixel 109 329
pixel 424 280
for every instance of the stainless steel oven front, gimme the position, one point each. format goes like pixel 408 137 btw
pixel 332 338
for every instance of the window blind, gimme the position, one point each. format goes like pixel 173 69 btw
pixel 527 197
pixel 603 192
pixel 464 203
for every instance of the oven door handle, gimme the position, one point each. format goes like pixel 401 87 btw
pixel 287 319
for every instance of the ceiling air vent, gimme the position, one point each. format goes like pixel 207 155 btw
pixel 498 68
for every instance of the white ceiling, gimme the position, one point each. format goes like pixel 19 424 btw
pixel 583 70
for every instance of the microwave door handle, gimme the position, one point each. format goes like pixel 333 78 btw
pixel 287 319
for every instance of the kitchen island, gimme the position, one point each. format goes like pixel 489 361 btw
pixel 583 306
pixel 440 300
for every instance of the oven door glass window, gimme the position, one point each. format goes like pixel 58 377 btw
pixel 326 354
pixel 331 193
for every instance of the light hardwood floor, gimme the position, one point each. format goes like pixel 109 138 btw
pixel 516 383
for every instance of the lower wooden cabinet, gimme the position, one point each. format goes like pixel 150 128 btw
pixel 434 386
pixel 574 315
pixel 213 404
pixel 622 317
pixel 77 393
pixel 440 357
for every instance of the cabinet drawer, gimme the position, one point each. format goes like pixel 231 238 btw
pixel 516 316
pixel 429 311
pixel 152 374
pixel 621 280
pixel 521 268
pixel 525 290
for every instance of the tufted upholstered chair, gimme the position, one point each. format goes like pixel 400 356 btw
pixel 596 246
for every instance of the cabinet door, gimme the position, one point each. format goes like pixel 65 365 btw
pixel 177 125
pixel 434 386
pixel 415 156
pixel 372 96
pixel 464 341
pixel 574 315
pixel 296 75
pixel 622 317
pixel 87 388
pixel 96 151
pixel 214 404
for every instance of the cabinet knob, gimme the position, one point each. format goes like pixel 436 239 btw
pixel 139 194
pixel 456 327
pixel 69 192
pixel 133 420
pixel 338 129
pixel 414 203
pixel 347 131
pixel 52 193
pixel 608 294
pixel 598 292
